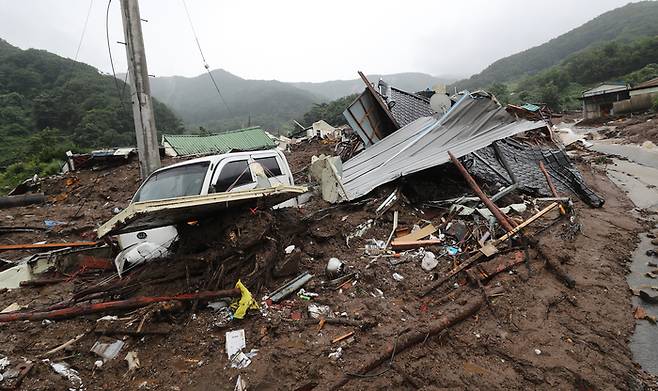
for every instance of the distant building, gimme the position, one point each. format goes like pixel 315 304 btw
pixel 598 101
pixel 248 139
pixel 641 98
pixel 649 87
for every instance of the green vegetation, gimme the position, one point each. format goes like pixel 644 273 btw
pixel 655 104
pixel 267 103
pixel 331 112
pixel 560 85
pixel 50 104
pixel 623 24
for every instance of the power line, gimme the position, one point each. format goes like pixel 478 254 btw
pixel 205 63
pixel 84 29
pixel 120 91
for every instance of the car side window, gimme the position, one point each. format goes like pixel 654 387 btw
pixel 233 174
pixel 270 165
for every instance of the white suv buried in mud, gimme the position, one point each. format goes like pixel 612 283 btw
pixel 228 172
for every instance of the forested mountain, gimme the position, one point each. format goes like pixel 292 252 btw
pixel 561 84
pixel 624 24
pixel 269 103
pixel 410 81
pixel 49 104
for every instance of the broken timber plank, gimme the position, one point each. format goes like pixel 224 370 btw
pixel 477 256
pixel 402 245
pixel 418 235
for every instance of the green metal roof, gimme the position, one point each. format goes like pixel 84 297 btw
pixel 247 139
pixel 531 107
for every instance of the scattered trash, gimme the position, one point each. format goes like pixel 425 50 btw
pixel 242 360
pixel 133 361
pixel 290 249
pixel 109 318
pixel 289 287
pixel 334 267
pixel 317 311
pixel 374 247
pixel 4 363
pixel 342 337
pixel 11 308
pixel 245 302
pixel 304 295
pixel 397 277
pixel 65 370
pixel 235 342
pixel 240 384
pixel 107 351
pixel 429 261
pixel 53 223
pixel 537 352
pixel 336 354
pixel 452 250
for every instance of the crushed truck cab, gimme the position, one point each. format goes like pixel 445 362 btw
pixel 146 228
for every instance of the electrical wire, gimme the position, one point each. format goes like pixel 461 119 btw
pixel 84 30
pixel 120 91
pixel 205 63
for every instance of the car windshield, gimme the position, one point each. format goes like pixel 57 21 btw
pixel 174 182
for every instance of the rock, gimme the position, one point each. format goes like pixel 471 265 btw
pixel 648 297
pixel 654 241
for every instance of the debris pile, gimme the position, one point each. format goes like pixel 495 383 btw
pixel 452 240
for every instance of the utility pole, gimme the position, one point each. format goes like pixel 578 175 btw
pixel 147 138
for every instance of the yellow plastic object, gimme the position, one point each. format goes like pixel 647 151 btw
pixel 246 302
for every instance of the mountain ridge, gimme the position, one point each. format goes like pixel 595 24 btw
pixel 623 23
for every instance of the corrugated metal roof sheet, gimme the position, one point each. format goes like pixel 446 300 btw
pixel 247 139
pixel 530 107
pixel 647 84
pixel 475 121
pixel 605 89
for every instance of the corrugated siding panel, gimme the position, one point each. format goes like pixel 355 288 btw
pixel 248 139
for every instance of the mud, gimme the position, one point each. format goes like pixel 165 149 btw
pixel 538 334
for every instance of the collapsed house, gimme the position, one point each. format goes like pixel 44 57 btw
pixel 499 147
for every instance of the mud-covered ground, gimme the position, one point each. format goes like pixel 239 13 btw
pixel 538 334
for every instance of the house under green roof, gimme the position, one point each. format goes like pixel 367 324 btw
pixel 248 139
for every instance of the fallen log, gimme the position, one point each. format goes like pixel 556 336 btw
pixel 554 266
pixel 128 304
pixel 406 341
pixel 44 246
pixel 22 200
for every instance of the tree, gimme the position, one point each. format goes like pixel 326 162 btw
pixel 550 95
pixel 501 92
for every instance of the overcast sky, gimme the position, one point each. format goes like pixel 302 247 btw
pixel 301 40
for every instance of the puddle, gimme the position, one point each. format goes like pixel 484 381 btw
pixel 638 181
pixel 644 342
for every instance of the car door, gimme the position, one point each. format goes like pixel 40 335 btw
pixel 233 175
